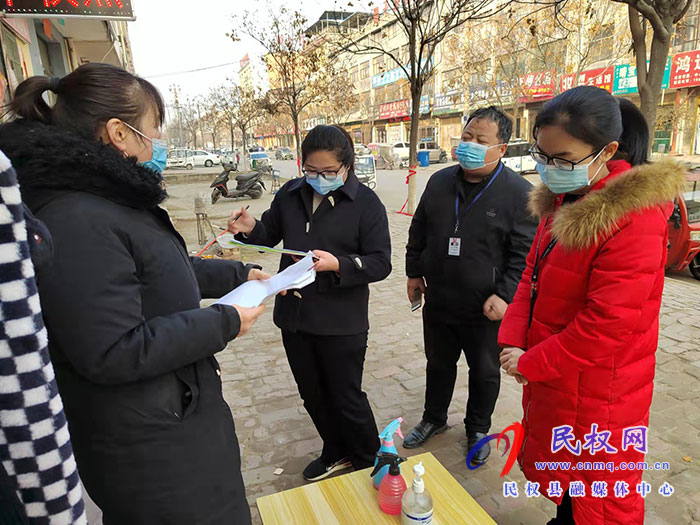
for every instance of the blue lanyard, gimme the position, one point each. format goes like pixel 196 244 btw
pixel 478 196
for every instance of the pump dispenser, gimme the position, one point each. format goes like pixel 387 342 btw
pixel 416 503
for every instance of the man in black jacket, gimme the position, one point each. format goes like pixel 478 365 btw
pixel 466 251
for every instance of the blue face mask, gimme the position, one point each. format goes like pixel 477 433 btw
pixel 471 155
pixel 565 181
pixel 323 186
pixel 159 155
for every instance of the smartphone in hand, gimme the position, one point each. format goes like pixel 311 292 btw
pixel 416 299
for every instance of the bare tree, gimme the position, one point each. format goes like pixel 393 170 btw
pixel 494 55
pixel 212 120
pixel 190 123
pixel 246 106
pixel 661 16
pixel 425 23
pixel 295 65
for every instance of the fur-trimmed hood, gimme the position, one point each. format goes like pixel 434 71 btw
pixel 580 224
pixel 48 159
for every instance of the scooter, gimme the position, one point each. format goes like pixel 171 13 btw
pixel 684 230
pixel 247 185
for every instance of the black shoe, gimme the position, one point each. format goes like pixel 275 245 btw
pixel 319 469
pixel 421 433
pixel 481 454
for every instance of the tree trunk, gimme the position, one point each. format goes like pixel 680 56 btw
pixel 233 142
pixel 416 90
pixel 245 145
pixel 297 138
pixel 650 92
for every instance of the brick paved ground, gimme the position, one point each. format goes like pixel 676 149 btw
pixel 275 432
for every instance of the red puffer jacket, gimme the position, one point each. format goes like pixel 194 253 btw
pixel 590 348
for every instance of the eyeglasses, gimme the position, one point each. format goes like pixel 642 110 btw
pixel 326 174
pixel 562 164
pixel 156 142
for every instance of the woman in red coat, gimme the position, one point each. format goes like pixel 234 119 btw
pixel 582 331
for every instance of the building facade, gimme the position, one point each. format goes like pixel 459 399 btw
pixel 518 70
pixel 47 44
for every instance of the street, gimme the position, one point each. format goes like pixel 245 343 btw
pixel 276 433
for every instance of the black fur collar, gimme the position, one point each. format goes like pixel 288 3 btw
pixel 49 158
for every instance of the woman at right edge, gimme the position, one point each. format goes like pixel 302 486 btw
pixel 582 331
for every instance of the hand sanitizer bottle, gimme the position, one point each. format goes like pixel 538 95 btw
pixel 417 504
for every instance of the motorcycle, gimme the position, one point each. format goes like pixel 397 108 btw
pixel 247 185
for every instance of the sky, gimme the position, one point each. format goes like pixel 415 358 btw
pixel 170 37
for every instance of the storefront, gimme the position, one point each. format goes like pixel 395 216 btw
pixel 448 109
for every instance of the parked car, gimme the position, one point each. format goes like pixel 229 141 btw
pixel 454 142
pixel 518 157
pixel 180 158
pixel 401 149
pixel 229 158
pixel 436 153
pixel 204 158
pixel 260 161
pixel 284 154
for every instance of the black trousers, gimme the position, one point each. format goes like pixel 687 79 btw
pixel 328 372
pixel 11 510
pixel 565 512
pixel 444 344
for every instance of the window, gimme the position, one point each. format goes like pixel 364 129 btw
pixel 687 34
pixel 364 70
pixel 602 44
pixel 427 134
pixel 451 79
pixel 353 74
pixel 378 66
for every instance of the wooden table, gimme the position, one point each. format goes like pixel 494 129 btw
pixel 352 499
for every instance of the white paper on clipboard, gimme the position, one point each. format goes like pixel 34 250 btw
pixel 254 293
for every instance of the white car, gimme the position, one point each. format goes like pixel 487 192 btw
pixel 204 158
pixel 401 149
pixel 436 154
pixel 518 157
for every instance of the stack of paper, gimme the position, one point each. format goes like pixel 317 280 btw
pixel 253 293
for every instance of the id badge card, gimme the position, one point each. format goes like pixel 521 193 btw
pixel 454 247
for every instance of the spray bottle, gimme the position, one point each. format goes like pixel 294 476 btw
pixel 387 437
pixel 416 503
pixel 393 485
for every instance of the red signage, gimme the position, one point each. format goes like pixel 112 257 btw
pixel 685 70
pixel 106 9
pixel 400 108
pixel 601 77
pixel 537 86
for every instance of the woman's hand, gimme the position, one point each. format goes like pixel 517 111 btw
pixel 248 317
pixel 241 222
pixel 257 275
pixel 509 360
pixel 327 262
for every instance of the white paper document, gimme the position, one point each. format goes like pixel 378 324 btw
pixel 253 293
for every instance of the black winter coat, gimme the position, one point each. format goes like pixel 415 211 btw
pixel 496 234
pixel 131 347
pixel 350 223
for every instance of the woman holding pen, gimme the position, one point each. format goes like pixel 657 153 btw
pixel 324 326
